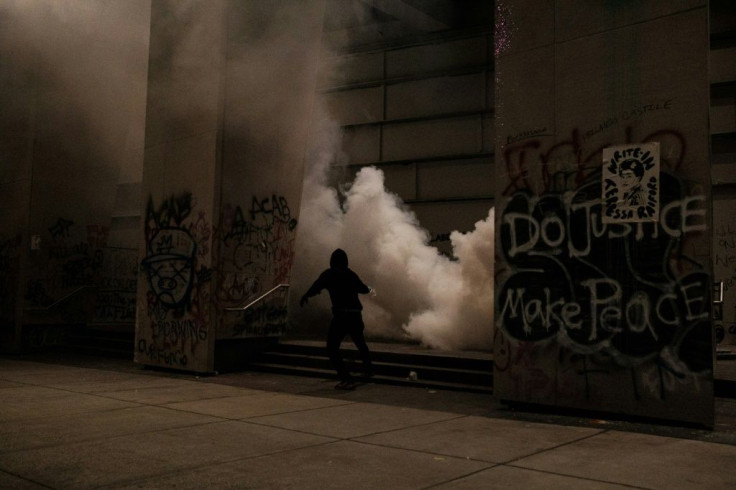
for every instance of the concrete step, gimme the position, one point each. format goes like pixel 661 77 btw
pixel 114 340
pixel 392 364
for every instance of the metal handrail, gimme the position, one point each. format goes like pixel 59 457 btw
pixel 62 299
pixel 718 292
pixel 260 298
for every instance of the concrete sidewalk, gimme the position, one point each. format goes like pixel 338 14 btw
pixel 110 424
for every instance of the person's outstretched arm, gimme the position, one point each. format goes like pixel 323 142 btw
pixel 314 290
pixel 360 286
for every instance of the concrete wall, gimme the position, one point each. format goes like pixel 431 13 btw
pixel 421 111
pixel 73 98
pixel 722 74
pixel 603 316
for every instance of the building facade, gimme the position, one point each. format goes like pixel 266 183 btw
pixel 143 192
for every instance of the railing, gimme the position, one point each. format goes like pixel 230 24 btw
pixel 61 300
pixel 718 292
pixel 258 299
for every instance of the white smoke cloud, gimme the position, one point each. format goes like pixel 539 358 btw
pixel 421 295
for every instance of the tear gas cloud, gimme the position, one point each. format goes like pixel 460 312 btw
pixel 421 295
pixel 424 296
pixel 74 73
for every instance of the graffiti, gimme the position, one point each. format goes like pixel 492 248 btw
pixel 176 330
pixel 61 228
pixel 440 237
pixel 257 247
pixel 115 307
pixel 592 294
pixel 120 269
pixel 116 296
pixel 724 268
pixel 263 320
pixel 169 264
pixel 173 211
pixel 74 257
pixel 174 326
pixel 276 206
pixel 567 165
pixel 571 224
pixel 173 262
pixel 601 127
pixel 625 295
pixel 261 246
pixel 163 356
pixel 529 133
pixel 40 336
pixel 636 112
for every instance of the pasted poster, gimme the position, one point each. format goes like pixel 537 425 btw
pixel 631 183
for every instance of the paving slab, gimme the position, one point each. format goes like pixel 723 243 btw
pixel 256 404
pixel 25 371
pixel 103 381
pixel 510 478
pixel 129 431
pixel 354 420
pixel 9 384
pixel 62 429
pixel 642 460
pixel 413 396
pixel 483 439
pixel 17 483
pixel 176 391
pixel 29 402
pixel 120 459
pixel 276 382
pixel 8 365
pixel 339 465
pixel 62 379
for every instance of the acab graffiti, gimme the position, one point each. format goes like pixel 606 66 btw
pixel 257 246
pixel 260 241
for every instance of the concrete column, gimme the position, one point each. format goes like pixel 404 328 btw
pixel 229 95
pixel 273 56
pixel 591 312
pixel 174 325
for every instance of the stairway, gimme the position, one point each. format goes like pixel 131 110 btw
pixel 106 340
pixel 399 364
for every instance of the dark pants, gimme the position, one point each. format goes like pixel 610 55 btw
pixel 347 323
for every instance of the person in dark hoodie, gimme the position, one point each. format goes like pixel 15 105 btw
pixel 344 286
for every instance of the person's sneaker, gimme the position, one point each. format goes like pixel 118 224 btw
pixel 346 385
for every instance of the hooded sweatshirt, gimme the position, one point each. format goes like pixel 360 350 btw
pixel 342 283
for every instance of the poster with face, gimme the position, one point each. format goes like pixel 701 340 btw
pixel 630 183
